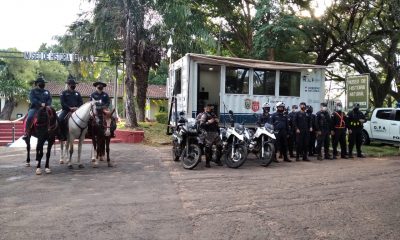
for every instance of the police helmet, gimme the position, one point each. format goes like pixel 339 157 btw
pixel 280 104
pixel 266 105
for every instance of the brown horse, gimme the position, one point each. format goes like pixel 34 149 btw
pixel 101 132
pixel 44 128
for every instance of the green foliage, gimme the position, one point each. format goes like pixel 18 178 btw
pixel 53 71
pixel 162 118
pixel 56 103
pixel 159 76
pixel 15 76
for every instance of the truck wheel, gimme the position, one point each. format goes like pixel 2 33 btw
pixel 365 138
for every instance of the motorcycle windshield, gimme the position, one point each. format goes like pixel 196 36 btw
pixel 269 127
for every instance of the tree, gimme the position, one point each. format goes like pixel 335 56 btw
pixel 15 75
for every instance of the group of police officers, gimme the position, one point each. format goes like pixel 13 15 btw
pixel 310 132
pixel 70 100
pixel 303 129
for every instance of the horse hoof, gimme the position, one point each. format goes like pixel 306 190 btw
pixel 38 171
pixel 61 161
pixel 47 170
pixel 95 165
pixel 70 167
pixel 93 160
pixel 110 165
pixel 27 164
pixel 101 159
pixel 81 166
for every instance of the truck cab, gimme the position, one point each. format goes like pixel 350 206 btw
pixel 384 126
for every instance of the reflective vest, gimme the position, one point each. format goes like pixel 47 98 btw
pixel 341 120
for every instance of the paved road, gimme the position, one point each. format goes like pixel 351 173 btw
pixel 146 196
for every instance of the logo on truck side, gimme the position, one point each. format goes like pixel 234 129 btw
pixel 255 106
pixel 379 129
pixel 247 103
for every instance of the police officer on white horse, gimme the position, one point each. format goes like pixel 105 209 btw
pixel 70 100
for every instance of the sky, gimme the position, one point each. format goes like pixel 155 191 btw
pixel 26 24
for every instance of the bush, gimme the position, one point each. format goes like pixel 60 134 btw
pixel 162 118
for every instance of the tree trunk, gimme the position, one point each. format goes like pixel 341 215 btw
pixel 8 109
pixel 131 120
pixel 141 74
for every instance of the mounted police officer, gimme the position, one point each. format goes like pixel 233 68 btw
pixel 292 130
pixel 355 120
pixel 338 131
pixel 322 128
pixel 210 132
pixel 302 124
pixel 264 117
pixel 38 97
pixel 70 100
pixel 281 125
pixel 99 94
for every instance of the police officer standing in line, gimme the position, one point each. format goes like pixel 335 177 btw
pixel 264 117
pixel 38 97
pixel 70 100
pixel 338 131
pixel 311 143
pixel 302 124
pixel 355 120
pixel 292 130
pixel 322 128
pixel 209 124
pixel 281 125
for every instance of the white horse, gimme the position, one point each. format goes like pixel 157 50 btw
pixel 77 129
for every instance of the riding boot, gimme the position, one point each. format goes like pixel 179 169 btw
pixel 208 165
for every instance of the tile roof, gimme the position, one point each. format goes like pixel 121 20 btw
pixel 153 91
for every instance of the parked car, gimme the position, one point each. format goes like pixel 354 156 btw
pixel 383 126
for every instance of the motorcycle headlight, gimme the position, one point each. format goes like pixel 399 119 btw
pixel 239 128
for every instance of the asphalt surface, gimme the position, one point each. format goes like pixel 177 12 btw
pixel 147 196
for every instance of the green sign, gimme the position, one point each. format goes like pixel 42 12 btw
pixel 357 91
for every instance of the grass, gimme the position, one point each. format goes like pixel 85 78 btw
pixel 380 150
pixel 154 132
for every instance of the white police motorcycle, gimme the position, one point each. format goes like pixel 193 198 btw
pixel 233 143
pixel 261 143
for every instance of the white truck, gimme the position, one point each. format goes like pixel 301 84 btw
pixel 384 126
pixel 240 85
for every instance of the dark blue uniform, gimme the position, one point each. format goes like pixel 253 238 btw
pixel 281 126
pixel 292 133
pixel 356 126
pixel 69 99
pixel 105 99
pixel 311 143
pixel 37 96
pixel 323 127
pixel 302 122
pixel 263 119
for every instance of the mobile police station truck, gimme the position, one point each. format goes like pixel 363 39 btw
pixel 240 85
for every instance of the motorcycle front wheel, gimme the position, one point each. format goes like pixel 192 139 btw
pixel 175 151
pixel 191 157
pixel 269 154
pixel 238 157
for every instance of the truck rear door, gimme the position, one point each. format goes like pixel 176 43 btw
pixel 380 124
pixel 395 126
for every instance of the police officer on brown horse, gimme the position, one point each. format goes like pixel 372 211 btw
pixel 70 100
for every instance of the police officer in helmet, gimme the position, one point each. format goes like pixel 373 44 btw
pixel 355 120
pixel 70 100
pixel 210 133
pixel 280 122
pixel 292 130
pixel 38 97
pixel 264 117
